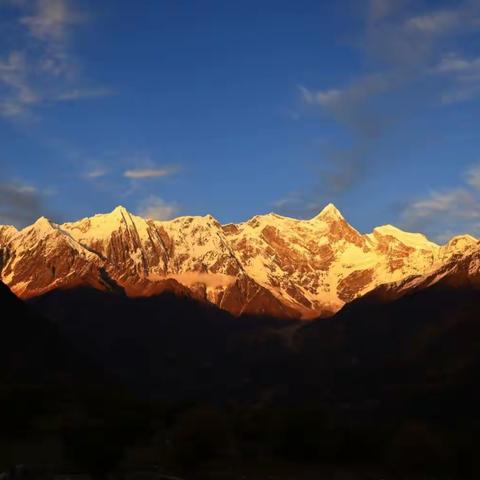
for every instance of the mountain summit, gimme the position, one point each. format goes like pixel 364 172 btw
pixel 330 212
pixel 270 264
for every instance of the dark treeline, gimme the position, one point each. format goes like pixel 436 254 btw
pixel 100 433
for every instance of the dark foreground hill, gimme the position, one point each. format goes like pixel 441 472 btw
pixel 173 347
pixel 33 350
pixel 406 370
pixel 57 408
pixel 389 382
pixel 375 351
pixel 425 343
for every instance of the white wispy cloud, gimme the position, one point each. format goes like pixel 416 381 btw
pixel 83 93
pixel 447 212
pixel 454 63
pixel 463 74
pixel 473 177
pixel 438 22
pixel 96 172
pixel 324 98
pixel 18 95
pixel 155 208
pixel 380 9
pixel 460 93
pixel 447 201
pixel 51 20
pixel 347 104
pixel 50 23
pixel 43 69
pixel 409 43
pixel 140 173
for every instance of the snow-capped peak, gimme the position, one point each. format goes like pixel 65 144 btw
pixel 306 266
pixel 42 226
pixel 118 215
pixel 407 238
pixel 330 212
pixel 7 232
pixel 460 244
pixel 102 225
pixel 119 210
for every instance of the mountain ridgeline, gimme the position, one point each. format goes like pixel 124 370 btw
pixel 269 265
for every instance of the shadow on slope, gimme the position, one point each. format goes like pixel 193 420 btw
pixel 419 353
pixel 383 383
pixel 55 404
pixel 173 347
pixel 33 350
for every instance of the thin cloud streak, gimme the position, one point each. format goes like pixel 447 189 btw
pixel 142 173
pixel 84 93
pixel 96 173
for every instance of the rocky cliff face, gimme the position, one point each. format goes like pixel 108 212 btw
pixel 268 265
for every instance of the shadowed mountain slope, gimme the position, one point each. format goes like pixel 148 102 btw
pixel 418 350
pixel 171 346
pixel 33 350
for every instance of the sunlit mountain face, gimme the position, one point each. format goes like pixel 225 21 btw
pixel 270 265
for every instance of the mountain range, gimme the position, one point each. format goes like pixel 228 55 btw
pixel 121 323
pixel 269 265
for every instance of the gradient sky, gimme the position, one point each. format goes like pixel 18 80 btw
pixel 173 107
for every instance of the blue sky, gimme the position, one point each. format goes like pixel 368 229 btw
pixel 174 107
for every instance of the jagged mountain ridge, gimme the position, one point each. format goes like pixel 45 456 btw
pixel 269 264
pixel 460 271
